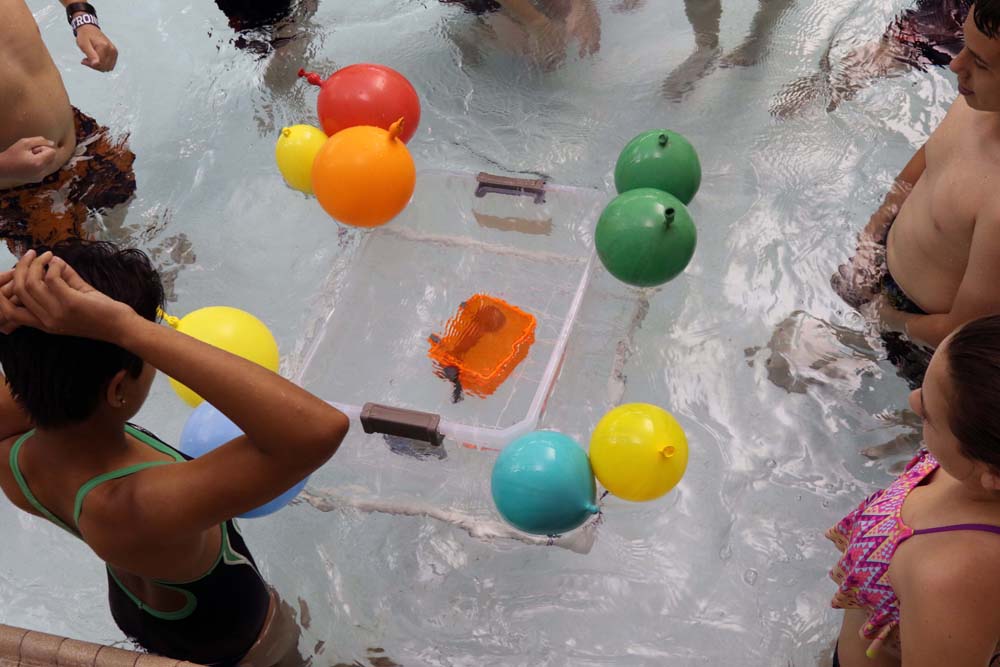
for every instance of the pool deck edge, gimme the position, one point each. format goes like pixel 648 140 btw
pixel 20 647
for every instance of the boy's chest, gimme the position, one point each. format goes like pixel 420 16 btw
pixel 963 167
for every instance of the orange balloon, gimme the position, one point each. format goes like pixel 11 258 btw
pixel 364 176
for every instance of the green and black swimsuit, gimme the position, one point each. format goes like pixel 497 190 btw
pixel 225 608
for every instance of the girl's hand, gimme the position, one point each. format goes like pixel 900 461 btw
pixel 44 292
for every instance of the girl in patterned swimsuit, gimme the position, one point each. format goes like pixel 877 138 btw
pixel 918 579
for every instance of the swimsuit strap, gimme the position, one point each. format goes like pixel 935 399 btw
pixel 142 437
pixel 23 484
pixel 91 484
pixel 149 439
pixel 982 527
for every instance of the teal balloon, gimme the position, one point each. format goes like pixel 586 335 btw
pixel 659 159
pixel 645 237
pixel 542 484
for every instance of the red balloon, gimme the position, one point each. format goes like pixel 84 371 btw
pixel 366 94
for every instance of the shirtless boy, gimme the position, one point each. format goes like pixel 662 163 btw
pixel 929 258
pixel 56 164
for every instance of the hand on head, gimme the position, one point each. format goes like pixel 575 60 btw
pixel 100 53
pixel 44 292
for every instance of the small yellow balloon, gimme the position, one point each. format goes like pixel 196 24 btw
pixel 232 330
pixel 295 152
pixel 638 452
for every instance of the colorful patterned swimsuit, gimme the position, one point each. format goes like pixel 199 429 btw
pixel 868 537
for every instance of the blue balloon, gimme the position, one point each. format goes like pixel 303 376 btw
pixel 206 429
pixel 542 484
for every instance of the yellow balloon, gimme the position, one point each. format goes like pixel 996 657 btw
pixel 232 330
pixel 295 152
pixel 638 452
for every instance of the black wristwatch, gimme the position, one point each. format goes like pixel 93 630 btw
pixel 74 7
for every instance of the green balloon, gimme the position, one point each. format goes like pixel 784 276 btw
pixel 645 237
pixel 659 159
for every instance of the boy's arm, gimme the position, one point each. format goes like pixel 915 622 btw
pixel 879 223
pixel 977 295
pixel 100 53
pixel 858 280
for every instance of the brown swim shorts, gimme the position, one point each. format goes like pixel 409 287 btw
pixel 910 359
pixel 97 178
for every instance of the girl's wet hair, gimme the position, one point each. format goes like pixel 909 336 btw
pixel 59 380
pixel 974 365
pixel 986 16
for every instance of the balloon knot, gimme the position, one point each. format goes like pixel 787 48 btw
pixel 174 322
pixel 396 129
pixel 311 77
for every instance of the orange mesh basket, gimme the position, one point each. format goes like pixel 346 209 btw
pixel 482 344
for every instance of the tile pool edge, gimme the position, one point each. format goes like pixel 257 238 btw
pixel 28 647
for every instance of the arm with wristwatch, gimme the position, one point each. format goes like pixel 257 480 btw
pixel 100 53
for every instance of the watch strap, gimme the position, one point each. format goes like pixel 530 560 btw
pixel 75 7
pixel 83 19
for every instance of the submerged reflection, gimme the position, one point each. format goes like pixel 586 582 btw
pixel 705 16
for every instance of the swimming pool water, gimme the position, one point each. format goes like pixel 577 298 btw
pixel 784 401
